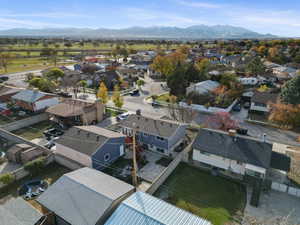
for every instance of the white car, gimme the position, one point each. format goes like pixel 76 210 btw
pixel 123 116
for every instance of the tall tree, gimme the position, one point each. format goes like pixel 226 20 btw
pixel 177 81
pixel 102 93
pixel 55 74
pixel 290 93
pixel 255 66
pixel 117 98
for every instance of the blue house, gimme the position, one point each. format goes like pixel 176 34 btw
pixel 158 135
pixel 91 146
pixel 144 209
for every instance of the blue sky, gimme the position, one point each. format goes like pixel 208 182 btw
pixel 264 16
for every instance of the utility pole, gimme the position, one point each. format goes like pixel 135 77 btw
pixel 134 173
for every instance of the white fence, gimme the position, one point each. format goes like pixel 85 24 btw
pixel 285 188
pixel 202 108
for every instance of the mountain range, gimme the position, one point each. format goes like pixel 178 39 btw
pixel 192 32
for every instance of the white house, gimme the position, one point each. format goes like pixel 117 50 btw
pixel 203 87
pixel 248 80
pixel 231 152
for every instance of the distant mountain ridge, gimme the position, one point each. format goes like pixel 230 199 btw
pixel 192 32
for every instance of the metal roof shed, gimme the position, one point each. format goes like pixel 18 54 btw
pixel 144 209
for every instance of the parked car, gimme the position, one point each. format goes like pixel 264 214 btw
pixel 3 78
pixel 247 105
pixel 123 116
pixel 53 132
pixel 64 94
pixel 237 107
pixel 242 131
pixel 134 92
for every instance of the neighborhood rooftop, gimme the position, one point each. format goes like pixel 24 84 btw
pixel 159 127
pixel 86 139
pixel 83 196
pixel 243 149
pixel 18 212
pixel 71 107
pixel 29 95
pixel 144 209
pixel 264 97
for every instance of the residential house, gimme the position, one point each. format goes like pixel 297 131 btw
pixel 261 102
pixel 91 146
pixel 110 79
pixel 84 197
pixel 161 136
pixel 284 73
pixel 34 100
pixel 234 153
pixel 23 153
pixel 72 112
pixel 7 92
pixel 203 87
pixel 17 211
pixel 144 209
pixel 251 81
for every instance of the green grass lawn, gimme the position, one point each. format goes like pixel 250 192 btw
pixel 214 198
pixel 163 98
pixel 50 173
pixel 34 131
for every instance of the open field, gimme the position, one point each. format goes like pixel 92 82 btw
pixel 214 198
pixel 27 64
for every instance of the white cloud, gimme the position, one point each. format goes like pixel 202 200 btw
pixel 7 23
pixel 197 4
pixel 160 18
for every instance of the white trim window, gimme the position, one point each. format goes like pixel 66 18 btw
pixel 160 138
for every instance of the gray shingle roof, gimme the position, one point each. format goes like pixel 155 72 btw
pixel 28 95
pixel 83 196
pixel 144 209
pixel 86 139
pixel 18 212
pixel 159 127
pixel 243 149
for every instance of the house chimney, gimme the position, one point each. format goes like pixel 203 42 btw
pixel 264 137
pixel 99 110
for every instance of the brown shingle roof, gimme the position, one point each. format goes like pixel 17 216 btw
pixel 70 108
pixel 264 97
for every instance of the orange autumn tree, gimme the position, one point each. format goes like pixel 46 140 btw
pixel 285 115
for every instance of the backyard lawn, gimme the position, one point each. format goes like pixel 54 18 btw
pixel 214 198
pixel 50 173
pixel 34 131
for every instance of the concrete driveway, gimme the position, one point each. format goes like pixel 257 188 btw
pixel 274 205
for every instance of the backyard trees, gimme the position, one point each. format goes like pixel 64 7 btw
pixel 55 74
pixel 221 121
pixel 140 83
pixel 255 66
pixel 290 93
pixel 117 98
pixel 83 84
pixel 102 93
pixel 42 84
pixel 228 79
pixel 285 115
pixel 177 81
pixel 203 67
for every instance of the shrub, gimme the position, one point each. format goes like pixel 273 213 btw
pixel 36 165
pixel 7 178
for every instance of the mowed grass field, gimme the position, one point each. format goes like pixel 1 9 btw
pixel 214 198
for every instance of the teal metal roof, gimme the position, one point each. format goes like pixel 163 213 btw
pixel 141 208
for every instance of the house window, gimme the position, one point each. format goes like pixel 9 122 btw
pixel 160 138
pixel 204 153
pixel 145 135
pixel 106 157
pixel 160 150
